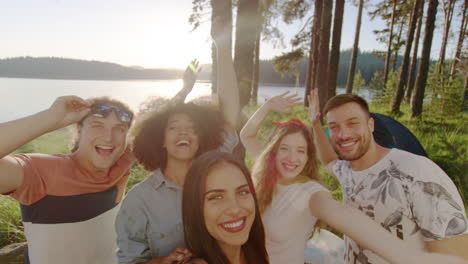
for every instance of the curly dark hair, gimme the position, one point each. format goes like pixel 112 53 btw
pixel 149 132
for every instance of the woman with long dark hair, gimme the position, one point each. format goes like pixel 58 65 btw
pixel 221 217
pixel 167 141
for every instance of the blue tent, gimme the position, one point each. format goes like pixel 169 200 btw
pixel 392 134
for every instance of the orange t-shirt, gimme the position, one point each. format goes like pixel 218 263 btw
pixel 61 175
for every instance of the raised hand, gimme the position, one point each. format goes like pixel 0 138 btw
pixel 67 110
pixel 191 74
pixel 314 106
pixel 283 103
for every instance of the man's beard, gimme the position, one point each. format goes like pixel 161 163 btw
pixel 364 143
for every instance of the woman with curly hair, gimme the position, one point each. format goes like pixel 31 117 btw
pixel 292 200
pixel 222 221
pixel 149 224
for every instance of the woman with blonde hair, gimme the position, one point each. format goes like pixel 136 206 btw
pixel 292 200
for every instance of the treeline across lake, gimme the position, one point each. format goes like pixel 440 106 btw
pixel 63 68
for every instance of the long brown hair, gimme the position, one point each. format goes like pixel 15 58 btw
pixel 264 169
pixel 197 237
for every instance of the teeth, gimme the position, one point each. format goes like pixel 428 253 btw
pixel 234 225
pixel 104 147
pixel 289 166
pixel 347 144
pixel 182 142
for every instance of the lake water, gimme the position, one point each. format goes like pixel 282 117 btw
pixel 22 97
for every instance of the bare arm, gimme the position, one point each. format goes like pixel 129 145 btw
pixel 456 246
pixel 228 92
pixel 248 135
pixel 369 234
pixel 64 111
pixel 325 151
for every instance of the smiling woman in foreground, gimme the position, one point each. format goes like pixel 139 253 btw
pixel 221 218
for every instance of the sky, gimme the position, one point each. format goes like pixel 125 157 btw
pixel 146 33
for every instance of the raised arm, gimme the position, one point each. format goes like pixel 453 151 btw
pixel 228 92
pixel 63 112
pixel 248 135
pixel 369 234
pixel 325 151
pixel 190 77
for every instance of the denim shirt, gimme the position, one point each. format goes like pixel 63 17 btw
pixel 149 223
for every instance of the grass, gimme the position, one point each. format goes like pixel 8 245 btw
pixel 445 140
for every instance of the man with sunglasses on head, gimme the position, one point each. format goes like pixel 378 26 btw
pixel 69 201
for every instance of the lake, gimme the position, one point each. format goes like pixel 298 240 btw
pixel 22 97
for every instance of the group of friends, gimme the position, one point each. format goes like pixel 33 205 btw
pixel 201 204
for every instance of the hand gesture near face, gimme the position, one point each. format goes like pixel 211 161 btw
pixel 67 110
pixel 283 103
pixel 179 255
pixel 191 74
pixel 314 106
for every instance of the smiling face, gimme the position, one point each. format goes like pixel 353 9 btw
pixel 350 131
pixel 291 156
pixel 180 137
pixel 229 206
pixel 101 142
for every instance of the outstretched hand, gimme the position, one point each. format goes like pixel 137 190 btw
pixel 283 103
pixel 191 74
pixel 67 110
pixel 314 106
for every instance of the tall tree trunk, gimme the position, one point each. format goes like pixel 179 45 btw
pixel 417 104
pixel 461 36
pixel 352 65
pixel 448 14
pixel 414 59
pixel 256 69
pixel 397 49
pixel 321 81
pixel 404 66
pixel 221 9
pixel 314 49
pixel 335 48
pixel 244 47
pixel 389 44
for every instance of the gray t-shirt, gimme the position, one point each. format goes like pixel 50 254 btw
pixel 149 223
pixel 407 194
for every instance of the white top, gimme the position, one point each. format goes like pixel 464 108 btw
pixel 288 222
pixel 407 194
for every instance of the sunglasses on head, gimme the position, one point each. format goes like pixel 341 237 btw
pixel 104 111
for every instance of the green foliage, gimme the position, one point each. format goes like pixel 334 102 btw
pixel 137 174
pixel 11 227
pixel 376 85
pixel 385 98
pixel 447 97
pixel 359 82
